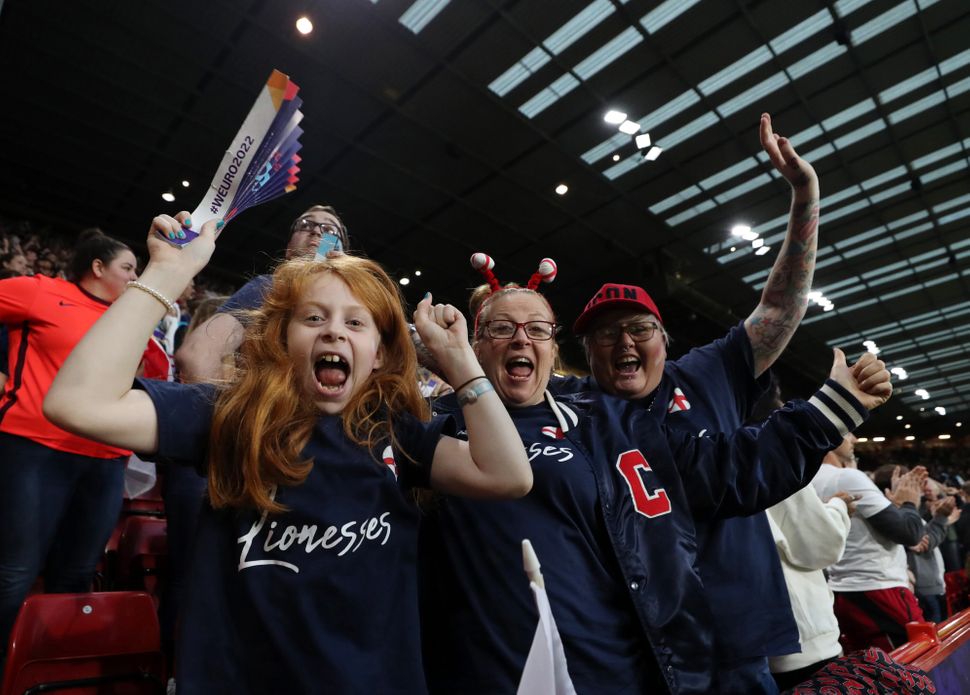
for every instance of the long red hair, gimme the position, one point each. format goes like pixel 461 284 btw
pixel 262 420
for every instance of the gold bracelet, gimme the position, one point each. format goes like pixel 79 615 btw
pixel 168 304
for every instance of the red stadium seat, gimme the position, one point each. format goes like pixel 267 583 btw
pixel 85 644
pixel 957 591
pixel 142 553
pixel 106 573
pixel 148 504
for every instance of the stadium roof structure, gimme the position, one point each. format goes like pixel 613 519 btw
pixel 438 128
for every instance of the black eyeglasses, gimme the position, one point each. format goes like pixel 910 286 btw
pixel 639 332
pixel 310 226
pixel 501 329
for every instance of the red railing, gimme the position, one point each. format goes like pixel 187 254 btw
pixel 929 645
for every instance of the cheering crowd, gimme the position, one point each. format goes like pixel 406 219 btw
pixel 332 530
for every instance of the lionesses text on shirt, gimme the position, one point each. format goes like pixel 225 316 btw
pixel 346 538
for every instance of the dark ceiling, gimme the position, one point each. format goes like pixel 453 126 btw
pixel 437 141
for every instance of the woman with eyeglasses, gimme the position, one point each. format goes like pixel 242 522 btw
pixel 610 516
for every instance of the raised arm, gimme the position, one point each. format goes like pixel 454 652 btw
pixel 784 299
pixel 92 394
pixel 492 463
pixel 756 467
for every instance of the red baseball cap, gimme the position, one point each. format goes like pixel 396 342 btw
pixel 613 296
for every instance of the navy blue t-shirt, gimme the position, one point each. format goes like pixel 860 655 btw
pixel 472 554
pixel 321 598
pixel 712 389
pixel 249 296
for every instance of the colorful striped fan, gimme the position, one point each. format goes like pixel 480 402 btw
pixel 262 162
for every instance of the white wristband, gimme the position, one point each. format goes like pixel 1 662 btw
pixel 470 395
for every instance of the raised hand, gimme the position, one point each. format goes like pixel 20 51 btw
pixel 943 507
pixel 954 516
pixel 781 153
pixel 868 379
pixel 907 487
pixel 192 257
pixel 444 333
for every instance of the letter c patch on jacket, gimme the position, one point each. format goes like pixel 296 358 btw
pixel 631 465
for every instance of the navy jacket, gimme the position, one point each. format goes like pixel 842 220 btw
pixel 651 483
pixel 712 388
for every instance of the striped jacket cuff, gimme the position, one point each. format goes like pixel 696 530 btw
pixel 839 407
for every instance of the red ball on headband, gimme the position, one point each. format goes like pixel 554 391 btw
pixel 548 270
pixel 480 260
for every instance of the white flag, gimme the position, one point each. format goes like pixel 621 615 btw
pixel 545 671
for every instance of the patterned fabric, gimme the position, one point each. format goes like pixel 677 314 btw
pixel 866 672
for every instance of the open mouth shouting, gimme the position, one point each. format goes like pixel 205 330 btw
pixel 331 372
pixel 519 369
pixel 627 365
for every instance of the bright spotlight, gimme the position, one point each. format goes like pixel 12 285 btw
pixel 744 231
pixel 304 25
pixel 629 127
pixel 614 117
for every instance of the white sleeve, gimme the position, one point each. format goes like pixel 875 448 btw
pixel 871 499
pixel 809 535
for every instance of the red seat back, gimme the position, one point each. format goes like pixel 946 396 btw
pixel 89 640
pixel 149 503
pixel 957 591
pixel 141 551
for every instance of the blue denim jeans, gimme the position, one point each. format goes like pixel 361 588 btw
pixel 57 511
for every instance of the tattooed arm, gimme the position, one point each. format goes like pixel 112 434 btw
pixel 785 297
